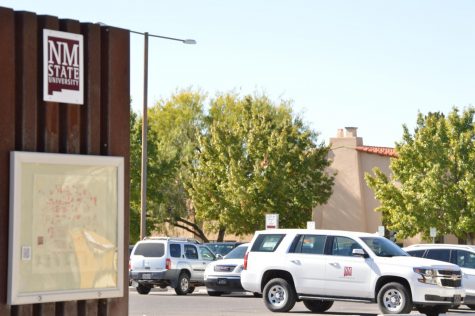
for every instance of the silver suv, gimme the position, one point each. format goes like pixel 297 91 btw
pixel 166 261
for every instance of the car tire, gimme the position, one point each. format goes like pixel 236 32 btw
pixel 214 293
pixel 279 295
pixel 433 310
pixel 143 289
pixel 471 306
pixel 191 289
pixel 394 298
pixel 317 306
pixel 183 284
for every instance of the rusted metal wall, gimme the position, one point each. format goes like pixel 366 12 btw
pixel 27 123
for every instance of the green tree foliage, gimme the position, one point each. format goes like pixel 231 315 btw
pixel 255 158
pixel 135 159
pixel 175 125
pixel 433 178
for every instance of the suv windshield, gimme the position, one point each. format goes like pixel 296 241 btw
pixel 237 253
pixel 383 247
pixel 220 248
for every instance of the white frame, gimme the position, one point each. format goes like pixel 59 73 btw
pixel 18 252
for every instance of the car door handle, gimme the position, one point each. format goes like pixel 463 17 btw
pixel 295 261
pixel 334 264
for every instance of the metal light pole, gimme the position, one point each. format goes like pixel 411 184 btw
pixel 143 177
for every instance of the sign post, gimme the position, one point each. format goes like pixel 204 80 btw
pixel 272 221
pixel 433 234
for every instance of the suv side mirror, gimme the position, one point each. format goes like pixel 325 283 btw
pixel 219 256
pixel 359 253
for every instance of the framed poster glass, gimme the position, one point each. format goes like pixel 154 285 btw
pixel 66 227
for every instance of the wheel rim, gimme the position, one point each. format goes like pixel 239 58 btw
pixel 277 296
pixel 393 300
pixel 184 284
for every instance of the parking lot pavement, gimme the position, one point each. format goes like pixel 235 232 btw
pixel 161 302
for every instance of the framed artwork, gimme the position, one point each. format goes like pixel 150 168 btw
pixel 66 227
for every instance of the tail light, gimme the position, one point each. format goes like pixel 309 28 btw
pixel 168 264
pixel 245 261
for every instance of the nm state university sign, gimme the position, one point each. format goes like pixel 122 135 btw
pixel 63 67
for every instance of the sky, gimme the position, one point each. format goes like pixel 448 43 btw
pixel 371 64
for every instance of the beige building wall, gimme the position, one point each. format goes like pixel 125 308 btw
pixel 351 206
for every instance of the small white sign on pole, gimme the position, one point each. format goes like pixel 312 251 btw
pixel 433 232
pixel 272 221
pixel 381 231
pixel 310 225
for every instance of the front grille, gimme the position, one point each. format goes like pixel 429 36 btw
pixel 449 272
pixel 224 268
pixel 451 283
pixel 450 278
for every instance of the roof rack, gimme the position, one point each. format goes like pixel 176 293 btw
pixel 172 238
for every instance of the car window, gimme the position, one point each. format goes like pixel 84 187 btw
pixel 267 242
pixel 312 244
pixel 191 252
pixel 416 253
pixel 237 253
pixel 343 246
pixel 221 248
pixel 438 254
pixel 206 254
pixel 150 250
pixel 383 247
pixel 465 259
pixel 175 250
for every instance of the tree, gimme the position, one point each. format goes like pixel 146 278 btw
pixel 135 165
pixel 256 158
pixel 433 178
pixel 175 125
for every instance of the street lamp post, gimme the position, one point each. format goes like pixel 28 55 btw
pixel 143 176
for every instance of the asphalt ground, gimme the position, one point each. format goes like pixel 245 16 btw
pixel 166 303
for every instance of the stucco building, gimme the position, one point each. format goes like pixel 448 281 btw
pixel 352 204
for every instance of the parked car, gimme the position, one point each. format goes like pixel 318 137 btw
pixel 319 267
pixel 168 261
pixel 461 255
pixel 224 276
pixel 222 248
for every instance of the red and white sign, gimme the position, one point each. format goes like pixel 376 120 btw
pixel 272 221
pixel 63 67
pixel 348 271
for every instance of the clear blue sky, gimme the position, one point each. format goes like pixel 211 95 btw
pixel 369 64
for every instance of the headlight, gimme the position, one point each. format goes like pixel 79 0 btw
pixel 428 275
pixel 239 269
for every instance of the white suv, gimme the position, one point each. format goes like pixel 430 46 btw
pixel 164 261
pixel 321 266
pixel 461 255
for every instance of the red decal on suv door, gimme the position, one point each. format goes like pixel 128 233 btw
pixel 348 271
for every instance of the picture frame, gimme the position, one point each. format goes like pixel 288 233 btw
pixel 66 227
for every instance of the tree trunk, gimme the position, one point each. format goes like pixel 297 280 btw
pixel 471 239
pixel 221 232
